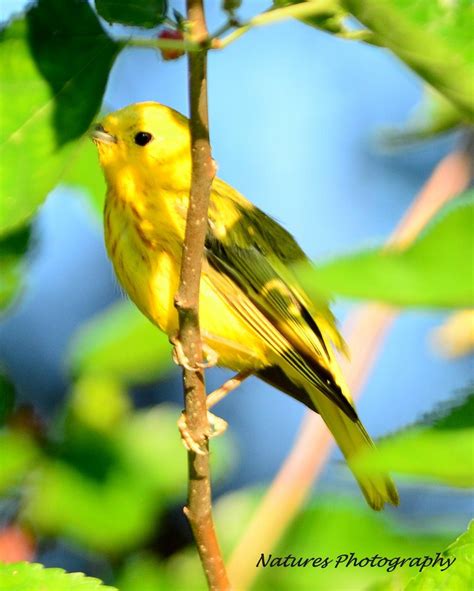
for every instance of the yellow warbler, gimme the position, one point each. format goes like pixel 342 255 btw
pixel 253 313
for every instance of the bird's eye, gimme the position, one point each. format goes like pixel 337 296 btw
pixel 142 138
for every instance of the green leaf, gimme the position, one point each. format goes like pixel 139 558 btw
pixel 122 343
pixel 147 14
pixel 24 576
pixel 459 576
pixel 433 38
pixel 13 249
pixel 55 66
pixel 17 458
pixel 421 275
pixel 438 448
pixel 74 55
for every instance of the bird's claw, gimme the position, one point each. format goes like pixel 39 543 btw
pixel 217 426
pixel 180 358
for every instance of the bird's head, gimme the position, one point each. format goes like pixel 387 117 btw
pixel 145 142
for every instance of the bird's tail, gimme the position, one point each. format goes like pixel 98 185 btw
pixel 352 438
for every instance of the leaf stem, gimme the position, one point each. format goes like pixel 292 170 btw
pixel 199 504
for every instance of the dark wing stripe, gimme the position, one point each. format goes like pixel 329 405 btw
pixel 314 373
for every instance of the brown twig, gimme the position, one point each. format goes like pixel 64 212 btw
pixel 198 509
pixel 366 330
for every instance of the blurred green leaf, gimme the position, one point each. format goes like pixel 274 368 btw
pixel 457 413
pixel 181 571
pixel 147 14
pixel 84 173
pixel 13 248
pixel 99 402
pixel 19 454
pixel 143 573
pixel 150 445
pixel 421 275
pixel 433 38
pixel 122 343
pixel 24 576
pixel 55 66
pixel 459 577
pixel 435 116
pixel 110 516
pixel 329 527
pixel 438 448
pixel 441 456
pixel 7 398
pixel 106 489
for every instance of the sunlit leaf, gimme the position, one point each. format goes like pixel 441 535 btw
pixel 421 275
pixel 459 576
pixel 55 65
pixel 122 343
pixel 147 14
pixel 433 38
pixel 13 249
pixel 25 576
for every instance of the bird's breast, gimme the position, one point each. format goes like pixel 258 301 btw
pixel 146 260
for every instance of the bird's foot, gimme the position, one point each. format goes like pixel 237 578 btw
pixel 211 357
pixel 217 426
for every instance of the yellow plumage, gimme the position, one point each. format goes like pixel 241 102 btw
pixel 253 313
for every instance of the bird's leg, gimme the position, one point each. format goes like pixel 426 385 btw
pixel 180 358
pixel 217 426
pixel 214 397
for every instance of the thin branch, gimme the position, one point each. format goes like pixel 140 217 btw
pixel 268 17
pixel 198 509
pixel 156 43
pixel 274 15
pixel 366 330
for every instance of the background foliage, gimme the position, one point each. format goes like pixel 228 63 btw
pixel 103 473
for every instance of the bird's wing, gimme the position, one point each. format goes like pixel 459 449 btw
pixel 252 255
pixel 235 222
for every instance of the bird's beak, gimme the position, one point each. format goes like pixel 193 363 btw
pixel 98 134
